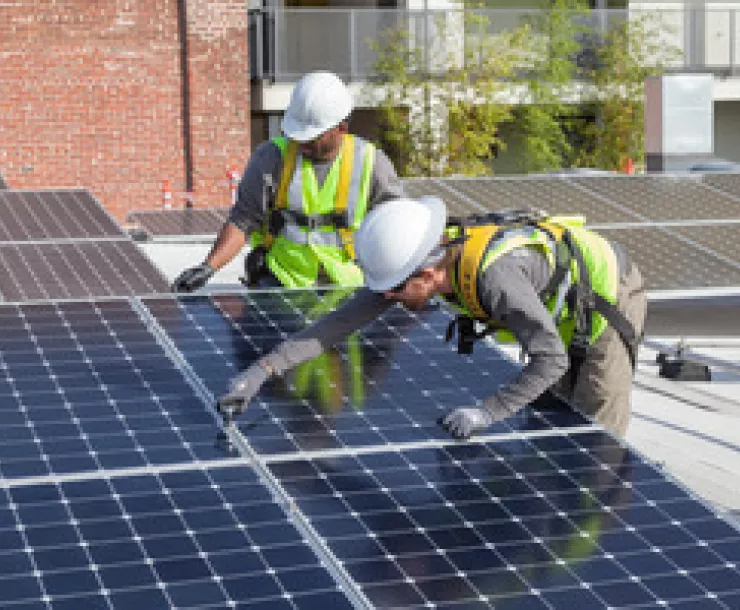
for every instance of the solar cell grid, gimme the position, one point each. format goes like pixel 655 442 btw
pixel 727 183
pixel 563 521
pixel 668 263
pixel 63 270
pixel 53 214
pixel 85 386
pixel 163 223
pixel 199 538
pixel 388 383
pixel 554 195
pixel 664 198
pixel 458 204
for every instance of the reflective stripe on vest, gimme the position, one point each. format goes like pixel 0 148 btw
pixel 342 186
pixel 296 255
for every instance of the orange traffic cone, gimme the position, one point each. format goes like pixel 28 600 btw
pixel 628 167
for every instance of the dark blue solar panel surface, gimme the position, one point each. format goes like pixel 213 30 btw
pixel 556 522
pixel 86 386
pixel 388 383
pixel 211 538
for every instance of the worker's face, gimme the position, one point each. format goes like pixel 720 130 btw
pixel 416 291
pixel 326 146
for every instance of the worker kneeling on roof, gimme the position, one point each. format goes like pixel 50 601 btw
pixel 573 301
pixel 302 197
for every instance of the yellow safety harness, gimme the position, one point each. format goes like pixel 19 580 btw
pixel 570 277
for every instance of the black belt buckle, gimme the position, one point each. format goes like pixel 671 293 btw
pixel 579 347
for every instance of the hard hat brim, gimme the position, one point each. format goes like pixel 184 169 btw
pixel 300 132
pixel 431 239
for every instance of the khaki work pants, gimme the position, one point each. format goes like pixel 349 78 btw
pixel 603 389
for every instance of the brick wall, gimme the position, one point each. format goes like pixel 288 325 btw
pixel 90 95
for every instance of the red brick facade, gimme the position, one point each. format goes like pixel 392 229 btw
pixel 91 96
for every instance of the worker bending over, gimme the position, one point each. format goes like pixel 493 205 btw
pixel 572 300
pixel 302 196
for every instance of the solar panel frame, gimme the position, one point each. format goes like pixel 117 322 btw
pixel 54 214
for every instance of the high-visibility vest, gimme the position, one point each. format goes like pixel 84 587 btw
pixel 318 223
pixel 487 243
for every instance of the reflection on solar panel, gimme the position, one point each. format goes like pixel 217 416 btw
pixel 59 270
pixel 554 522
pixel 389 383
pixel 85 386
pixel 163 223
pixel 211 537
pixel 53 214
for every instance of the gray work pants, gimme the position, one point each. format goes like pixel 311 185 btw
pixel 603 389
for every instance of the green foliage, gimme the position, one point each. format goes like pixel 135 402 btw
pixel 441 104
pixel 632 50
pixel 572 92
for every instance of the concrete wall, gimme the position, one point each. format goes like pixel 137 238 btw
pixel 92 97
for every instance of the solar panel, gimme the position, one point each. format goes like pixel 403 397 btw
pixel 388 383
pixel 85 387
pixel 114 495
pixel 700 316
pixel 564 521
pixel 198 538
pixel 554 195
pixel 53 214
pixel 458 204
pixel 61 270
pixel 187 222
pixel 668 262
pixel 663 198
pixel 727 183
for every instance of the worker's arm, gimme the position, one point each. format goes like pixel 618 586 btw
pixel 228 244
pixel 245 216
pixel 509 295
pixel 360 309
pixel 385 183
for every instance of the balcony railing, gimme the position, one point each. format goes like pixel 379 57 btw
pixel 286 43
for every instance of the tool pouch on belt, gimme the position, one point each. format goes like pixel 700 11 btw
pixel 255 266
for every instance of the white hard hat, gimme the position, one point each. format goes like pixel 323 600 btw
pixel 320 101
pixel 396 239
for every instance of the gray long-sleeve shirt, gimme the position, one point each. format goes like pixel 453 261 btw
pixel 247 214
pixel 509 290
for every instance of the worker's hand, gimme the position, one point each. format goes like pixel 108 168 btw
pixel 193 278
pixel 242 389
pixel 462 423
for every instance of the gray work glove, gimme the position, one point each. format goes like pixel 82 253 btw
pixel 464 422
pixel 242 389
pixel 193 278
